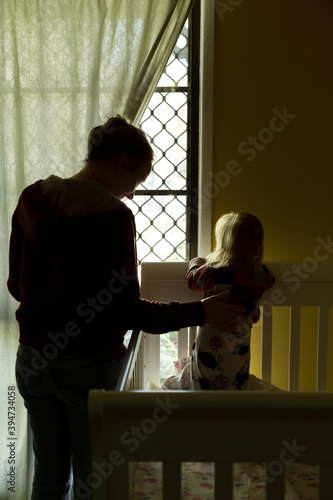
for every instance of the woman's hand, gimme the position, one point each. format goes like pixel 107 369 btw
pixel 224 315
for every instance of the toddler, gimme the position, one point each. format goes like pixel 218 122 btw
pixel 220 359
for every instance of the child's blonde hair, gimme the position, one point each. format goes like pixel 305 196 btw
pixel 239 241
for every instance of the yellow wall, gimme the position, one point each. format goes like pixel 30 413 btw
pixel 271 56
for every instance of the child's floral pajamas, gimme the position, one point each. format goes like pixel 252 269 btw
pixel 220 360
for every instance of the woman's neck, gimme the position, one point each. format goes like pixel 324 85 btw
pixel 86 174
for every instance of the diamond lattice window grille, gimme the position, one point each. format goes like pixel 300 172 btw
pixel 160 206
pixel 161 227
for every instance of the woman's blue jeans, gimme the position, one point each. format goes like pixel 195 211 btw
pixel 56 396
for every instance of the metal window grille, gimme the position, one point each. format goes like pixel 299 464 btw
pixel 164 206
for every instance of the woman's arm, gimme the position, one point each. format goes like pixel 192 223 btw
pixel 133 312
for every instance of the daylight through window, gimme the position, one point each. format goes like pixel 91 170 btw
pixel 161 205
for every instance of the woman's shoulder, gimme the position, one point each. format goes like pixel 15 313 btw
pixel 79 198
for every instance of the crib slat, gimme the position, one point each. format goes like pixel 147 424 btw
pixel 322 348
pixel 275 486
pixel 118 487
pixel 266 342
pixel 223 481
pixel 325 481
pixel 171 480
pixel 183 347
pixel 153 358
pixel 294 342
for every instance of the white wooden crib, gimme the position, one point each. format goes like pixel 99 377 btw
pixel 275 428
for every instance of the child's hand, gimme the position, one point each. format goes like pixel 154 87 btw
pixel 197 262
pixel 225 316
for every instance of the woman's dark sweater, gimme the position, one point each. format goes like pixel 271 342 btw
pixel 72 267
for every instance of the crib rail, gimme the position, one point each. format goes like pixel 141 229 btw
pixel 132 373
pixel 305 289
pixel 297 285
pixel 230 427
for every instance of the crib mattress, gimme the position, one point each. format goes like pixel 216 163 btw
pixel 249 481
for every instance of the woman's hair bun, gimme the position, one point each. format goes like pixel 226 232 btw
pixel 117 121
pixel 117 136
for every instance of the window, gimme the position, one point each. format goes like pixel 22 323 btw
pixel 165 208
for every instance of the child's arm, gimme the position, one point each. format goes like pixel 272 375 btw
pixel 255 314
pixel 269 281
pixel 195 273
pixel 269 278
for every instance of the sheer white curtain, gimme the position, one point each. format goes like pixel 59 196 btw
pixel 65 66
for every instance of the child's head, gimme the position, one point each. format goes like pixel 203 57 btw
pixel 239 240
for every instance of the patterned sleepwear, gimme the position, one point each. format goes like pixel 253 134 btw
pixel 220 360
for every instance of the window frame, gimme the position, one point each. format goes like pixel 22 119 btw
pixel 206 126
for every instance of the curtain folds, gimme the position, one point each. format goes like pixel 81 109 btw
pixel 64 68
